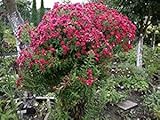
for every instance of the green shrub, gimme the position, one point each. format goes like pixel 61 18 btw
pixel 152 102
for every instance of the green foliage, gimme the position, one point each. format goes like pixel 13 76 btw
pixel 7 40
pixel 7 110
pixel 127 57
pixel 7 81
pixel 137 9
pixel 7 89
pixel 42 9
pixel 151 60
pixel 131 77
pixel 24 7
pixel 25 32
pixel 116 79
pixel 106 93
pixel 34 15
pixel 1 30
pixel 126 74
pixel 152 102
pixel 111 87
pixel 7 76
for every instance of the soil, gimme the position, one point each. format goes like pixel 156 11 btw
pixel 113 112
pixel 140 112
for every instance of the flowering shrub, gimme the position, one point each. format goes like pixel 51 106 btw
pixel 67 47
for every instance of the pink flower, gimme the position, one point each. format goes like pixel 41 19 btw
pixel 78 55
pixel 89 82
pixel 31 65
pixel 97 59
pixel 65 49
pixel 89 71
pixel 78 31
pixel 43 52
pixel 42 61
pixel 78 43
pixel 106 52
pixel 24 55
pixel 52 50
pixel 62 42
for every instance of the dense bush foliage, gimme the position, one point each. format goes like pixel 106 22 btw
pixel 68 53
pixel 72 32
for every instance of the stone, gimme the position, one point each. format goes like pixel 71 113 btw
pixel 125 105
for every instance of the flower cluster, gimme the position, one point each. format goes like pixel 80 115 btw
pixel 73 30
pixel 90 79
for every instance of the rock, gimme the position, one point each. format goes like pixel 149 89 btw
pixel 127 105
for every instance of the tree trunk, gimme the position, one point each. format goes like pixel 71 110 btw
pixel 144 25
pixel 14 18
pixel 139 51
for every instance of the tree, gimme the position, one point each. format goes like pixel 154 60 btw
pixel 14 18
pixel 42 9
pixel 23 6
pixel 143 13
pixel 34 17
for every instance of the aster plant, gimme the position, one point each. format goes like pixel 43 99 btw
pixel 68 51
